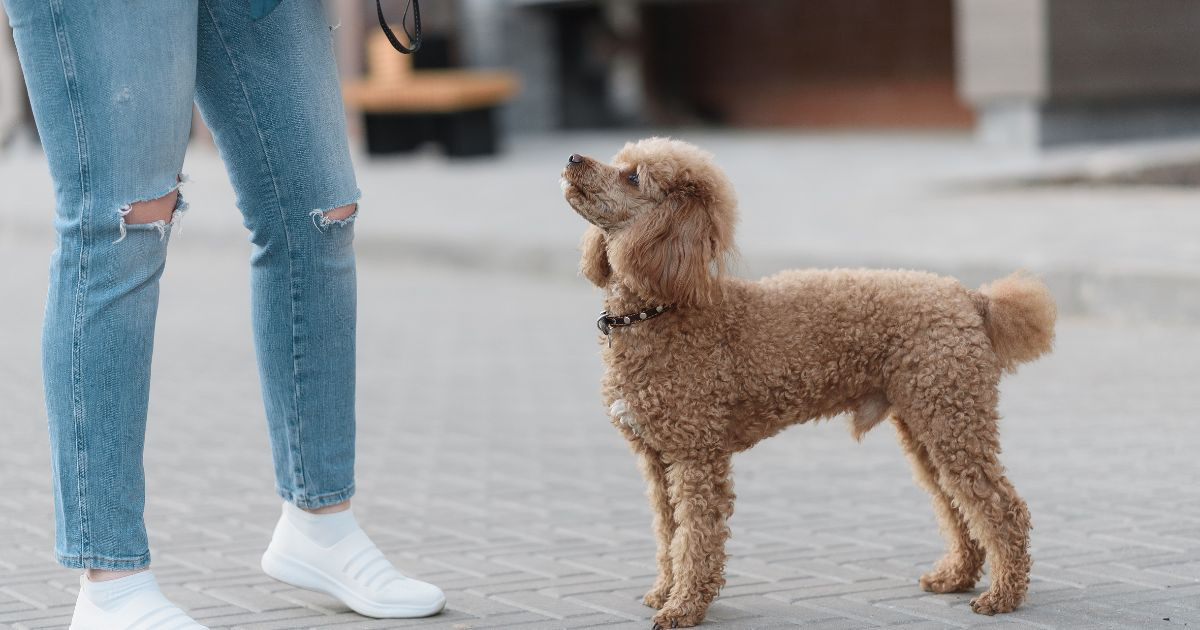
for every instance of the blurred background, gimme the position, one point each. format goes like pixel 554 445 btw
pixel 967 137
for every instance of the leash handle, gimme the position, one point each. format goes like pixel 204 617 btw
pixel 414 38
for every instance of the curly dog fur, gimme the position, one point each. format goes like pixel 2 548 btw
pixel 736 361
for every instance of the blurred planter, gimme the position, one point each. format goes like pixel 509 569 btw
pixel 406 106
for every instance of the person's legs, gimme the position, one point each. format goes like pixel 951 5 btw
pixel 111 87
pixel 269 92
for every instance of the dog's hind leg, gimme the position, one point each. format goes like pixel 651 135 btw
pixel 962 443
pixel 999 518
pixel 946 392
pixel 655 473
pixel 702 493
pixel 960 568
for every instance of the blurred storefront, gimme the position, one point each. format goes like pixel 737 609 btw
pixel 1032 73
pixel 739 63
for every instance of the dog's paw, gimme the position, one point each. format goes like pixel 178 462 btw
pixel 657 597
pixel 677 617
pixel 990 603
pixel 947 582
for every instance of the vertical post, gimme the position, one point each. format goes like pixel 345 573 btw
pixel 1001 48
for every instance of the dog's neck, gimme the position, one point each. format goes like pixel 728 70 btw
pixel 619 299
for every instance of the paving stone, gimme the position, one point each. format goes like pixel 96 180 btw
pixel 621 604
pixel 844 607
pixel 542 604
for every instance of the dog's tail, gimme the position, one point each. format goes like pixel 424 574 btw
pixel 1018 315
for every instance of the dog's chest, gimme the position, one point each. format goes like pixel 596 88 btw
pixel 631 378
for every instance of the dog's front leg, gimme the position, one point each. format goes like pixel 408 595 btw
pixel 664 523
pixel 702 494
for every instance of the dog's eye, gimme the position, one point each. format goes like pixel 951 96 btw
pixel 633 178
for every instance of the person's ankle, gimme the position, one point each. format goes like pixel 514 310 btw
pixel 104 575
pixel 330 509
pixel 323 528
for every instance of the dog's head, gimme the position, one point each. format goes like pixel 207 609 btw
pixel 662 216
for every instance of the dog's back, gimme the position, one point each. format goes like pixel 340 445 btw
pixel 839 337
pixel 1017 312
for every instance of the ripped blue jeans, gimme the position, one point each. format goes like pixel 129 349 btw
pixel 112 86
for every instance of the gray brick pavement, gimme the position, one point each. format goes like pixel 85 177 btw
pixel 487 465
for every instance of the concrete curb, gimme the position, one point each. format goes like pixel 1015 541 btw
pixel 1160 296
pixel 1087 164
pixel 1164 296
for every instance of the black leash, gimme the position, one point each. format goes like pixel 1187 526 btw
pixel 387 30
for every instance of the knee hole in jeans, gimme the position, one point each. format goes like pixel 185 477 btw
pixel 152 210
pixel 339 216
pixel 159 213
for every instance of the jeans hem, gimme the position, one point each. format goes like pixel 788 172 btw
pixel 316 501
pixel 103 563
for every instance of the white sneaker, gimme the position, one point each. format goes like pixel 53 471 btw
pixel 129 603
pixel 352 570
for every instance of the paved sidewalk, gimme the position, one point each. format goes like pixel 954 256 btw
pixel 487 466
pixel 925 201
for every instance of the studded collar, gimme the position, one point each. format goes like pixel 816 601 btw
pixel 607 322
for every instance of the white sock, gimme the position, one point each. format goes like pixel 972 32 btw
pixel 331 554
pixel 133 602
pixel 326 530
pixel 112 594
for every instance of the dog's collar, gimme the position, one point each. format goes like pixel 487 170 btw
pixel 607 322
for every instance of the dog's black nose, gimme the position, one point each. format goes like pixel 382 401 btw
pixel 575 159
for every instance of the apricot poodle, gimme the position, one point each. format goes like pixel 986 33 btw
pixel 701 365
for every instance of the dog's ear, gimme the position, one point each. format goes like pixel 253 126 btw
pixel 675 253
pixel 594 262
